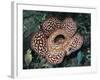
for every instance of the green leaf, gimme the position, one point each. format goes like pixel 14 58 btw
pixel 80 56
pixel 28 57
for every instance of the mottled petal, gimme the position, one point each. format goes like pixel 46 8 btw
pixel 75 43
pixel 70 26
pixel 50 25
pixel 55 58
pixel 39 43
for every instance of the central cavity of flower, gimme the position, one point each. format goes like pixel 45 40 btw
pixel 59 39
pixel 56 40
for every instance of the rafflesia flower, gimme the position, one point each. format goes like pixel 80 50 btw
pixel 56 39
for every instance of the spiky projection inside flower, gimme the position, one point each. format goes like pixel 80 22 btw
pixel 56 39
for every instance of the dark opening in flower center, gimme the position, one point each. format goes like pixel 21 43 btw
pixel 59 39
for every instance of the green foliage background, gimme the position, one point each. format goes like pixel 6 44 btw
pixel 31 23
